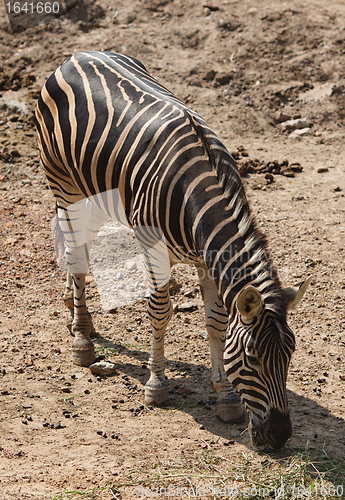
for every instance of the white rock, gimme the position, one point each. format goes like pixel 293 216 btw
pixel 299 123
pixel 103 368
pixel 299 132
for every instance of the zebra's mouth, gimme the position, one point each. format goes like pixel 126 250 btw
pixel 275 430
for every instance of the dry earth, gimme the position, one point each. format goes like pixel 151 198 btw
pixel 244 67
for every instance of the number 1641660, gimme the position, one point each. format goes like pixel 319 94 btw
pixel 33 8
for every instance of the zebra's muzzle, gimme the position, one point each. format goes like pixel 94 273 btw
pixel 275 431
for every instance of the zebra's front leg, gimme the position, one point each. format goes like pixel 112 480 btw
pixel 69 303
pixel 160 311
pixel 229 407
pixel 83 351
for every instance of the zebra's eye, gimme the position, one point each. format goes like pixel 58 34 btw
pixel 253 360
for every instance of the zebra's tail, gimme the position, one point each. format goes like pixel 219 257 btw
pixel 58 238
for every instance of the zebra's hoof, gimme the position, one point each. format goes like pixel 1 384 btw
pixel 83 352
pixel 230 409
pixel 157 394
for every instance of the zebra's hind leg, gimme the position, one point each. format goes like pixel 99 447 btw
pixel 69 303
pixel 160 311
pixel 229 407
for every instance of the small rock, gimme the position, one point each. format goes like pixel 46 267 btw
pixel 210 75
pixel 296 167
pixel 183 390
pixel 203 334
pixel 131 265
pixel 299 132
pixel 211 6
pixel 103 368
pixel 24 421
pixel 322 170
pixel 299 123
pixel 338 89
pixel 187 306
pixel 223 78
pixel 281 117
pixel 66 389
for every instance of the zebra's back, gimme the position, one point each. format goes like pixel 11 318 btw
pixel 104 123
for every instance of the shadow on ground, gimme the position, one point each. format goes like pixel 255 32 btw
pixel 315 428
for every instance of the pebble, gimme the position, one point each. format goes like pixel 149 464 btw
pixel 299 132
pixel 211 6
pixel 183 390
pixel 187 306
pixel 210 75
pixel 299 123
pixel 103 368
pixel 131 265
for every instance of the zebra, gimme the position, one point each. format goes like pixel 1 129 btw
pixel 104 123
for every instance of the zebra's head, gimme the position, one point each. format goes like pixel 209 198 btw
pixel 257 354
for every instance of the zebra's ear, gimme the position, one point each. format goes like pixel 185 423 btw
pixel 293 296
pixel 249 303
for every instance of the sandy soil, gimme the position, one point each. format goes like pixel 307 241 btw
pixel 245 69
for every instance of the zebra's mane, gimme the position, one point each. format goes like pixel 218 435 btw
pixel 226 169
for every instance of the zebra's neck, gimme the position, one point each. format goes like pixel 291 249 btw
pixel 242 256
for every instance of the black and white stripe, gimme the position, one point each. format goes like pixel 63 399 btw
pixel 105 124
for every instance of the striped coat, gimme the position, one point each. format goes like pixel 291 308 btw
pixel 105 124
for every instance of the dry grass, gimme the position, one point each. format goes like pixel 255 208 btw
pixel 254 475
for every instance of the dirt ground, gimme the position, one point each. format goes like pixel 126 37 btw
pixel 247 68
